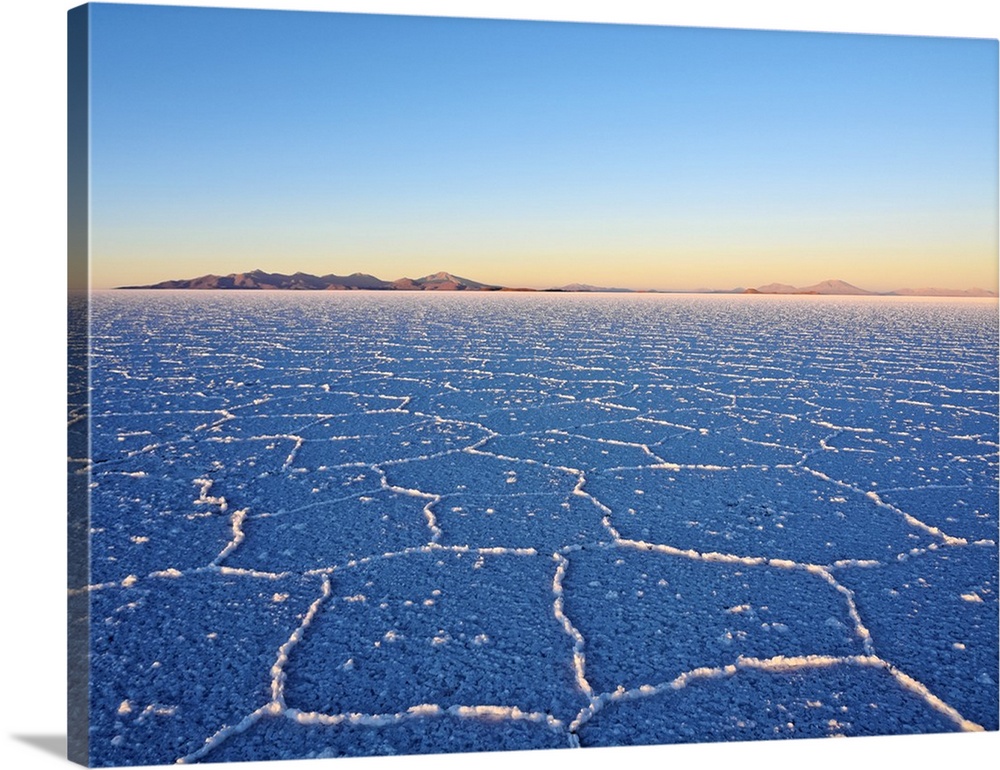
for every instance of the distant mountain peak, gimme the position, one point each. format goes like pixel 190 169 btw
pixel 445 281
pixel 835 286
pixel 831 286
pixel 443 275
pixel 938 292
pixel 776 288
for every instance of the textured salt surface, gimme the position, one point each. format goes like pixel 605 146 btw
pixel 372 524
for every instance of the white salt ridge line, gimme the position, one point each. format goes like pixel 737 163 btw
pixel 633 389
pixel 402 378
pixel 776 664
pixel 655 466
pixel 860 629
pixel 218 569
pixel 916 552
pixel 619 383
pixel 390 410
pixel 170 572
pixel 397 409
pixel 205 499
pixel 145 450
pixel 506 496
pixel 421 458
pixel 317 418
pixel 465 423
pixel 665 423
pixel 668 466
pixel 278 675
pixel 690 553
pixel 841 428
pixel 823 447
pixel 319 503
pixel 969 486
pixel 914 402
pixel 512 713
pixel 244 572
pixel 856 563
pixel 173 573
pixel 757 412
pixel 772 445
pixel 469 371
pixel 611 441
pixel 226 417
pixel 946 389
pixel 969 410
pixel 238 536
pixel 165 413
pixel 911 684
pixel 429 548
pixel 591 544
pixel 908 518
pixel 915 522
pixel 609 405
pixel 986 542
pixel 703 389
pixel 294 451
pixel 473 450
pixel 432 500
pixel 155 709
pixel 487 713
pixel 606 512
pixel 213 741
pixel 579 657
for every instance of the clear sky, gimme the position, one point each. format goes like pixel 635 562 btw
pixel 537 154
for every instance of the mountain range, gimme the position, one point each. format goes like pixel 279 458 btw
pixel 837 287
pixel 259 279
pixel 443 281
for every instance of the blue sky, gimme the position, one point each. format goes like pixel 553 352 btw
pixel 536 154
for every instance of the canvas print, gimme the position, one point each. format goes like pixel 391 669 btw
pixel 446 385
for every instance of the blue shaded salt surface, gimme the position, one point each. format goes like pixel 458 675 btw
pixel 363 523
pixel 827 699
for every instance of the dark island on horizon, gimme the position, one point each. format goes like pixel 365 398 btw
pixel 444 281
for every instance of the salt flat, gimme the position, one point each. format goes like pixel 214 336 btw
pixel 365 523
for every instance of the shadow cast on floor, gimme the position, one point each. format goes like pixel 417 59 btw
pixel 50 744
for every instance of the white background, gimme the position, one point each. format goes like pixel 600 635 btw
pixel 32 371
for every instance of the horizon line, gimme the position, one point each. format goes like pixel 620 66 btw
pixel 453 282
